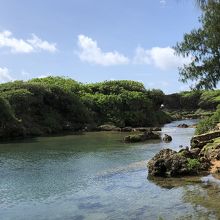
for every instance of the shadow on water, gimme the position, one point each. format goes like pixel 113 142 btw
pixel 170 183
pixel 202 193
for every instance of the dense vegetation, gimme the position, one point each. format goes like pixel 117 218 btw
pixel 55 104
pixel 209 123
pixel 193 100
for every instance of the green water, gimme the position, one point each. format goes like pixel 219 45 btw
pixel 97 176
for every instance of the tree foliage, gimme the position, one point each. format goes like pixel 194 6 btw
pixel 203 46
pixel 56 104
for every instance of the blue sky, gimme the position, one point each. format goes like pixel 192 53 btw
pixel 95 40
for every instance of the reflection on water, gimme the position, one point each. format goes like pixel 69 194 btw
pixel 97 176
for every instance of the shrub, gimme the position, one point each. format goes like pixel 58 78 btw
pixel 208 123
pixel 193 164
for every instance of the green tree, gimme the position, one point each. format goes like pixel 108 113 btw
pixel 203 45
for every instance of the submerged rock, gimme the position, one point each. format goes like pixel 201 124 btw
pixel 148 135
pixel 167 138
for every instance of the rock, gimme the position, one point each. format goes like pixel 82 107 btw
pixel 185 152
pixel 142 129
pixel 169 163
pixel 108 127
pixel 195 152
pixel 199 141
pixel 126 129
pixel 156 129
pixel 217 127
pixel 167 138
pixel 183 126
pixel 148 135
pixel 205 163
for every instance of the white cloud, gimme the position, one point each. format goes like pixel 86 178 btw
pixel 163 58
pixel 16 45
pixel 91 53
pixel 163 2
pixel 40 44
pixel 5 75
pixel 24 46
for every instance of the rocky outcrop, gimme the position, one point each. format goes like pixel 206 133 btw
pixel 199 141
pixel 169 163
pixel 212 150
pixel 167 138
pixel 148 135
pixel 182 126
pixel 203 155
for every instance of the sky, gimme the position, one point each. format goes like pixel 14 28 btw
pixel 95 40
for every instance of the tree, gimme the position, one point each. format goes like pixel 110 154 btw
pixel 203 3
pixel 203 46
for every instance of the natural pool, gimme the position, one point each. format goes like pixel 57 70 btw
pixel 97 176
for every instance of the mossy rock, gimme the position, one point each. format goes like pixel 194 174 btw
pixel 199 141
pixel 150 135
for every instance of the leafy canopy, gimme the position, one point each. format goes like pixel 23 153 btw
pixel 203 45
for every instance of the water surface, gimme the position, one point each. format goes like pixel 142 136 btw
pixel 97 176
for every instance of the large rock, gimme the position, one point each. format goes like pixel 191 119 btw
pixel 199 141
pixel 167 138
pixel 148 135
pixel 169 163
pixel 212 150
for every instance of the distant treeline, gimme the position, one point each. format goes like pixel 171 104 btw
pixel 56 104
pixel 192 100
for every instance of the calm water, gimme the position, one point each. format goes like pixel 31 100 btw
pixel 97 176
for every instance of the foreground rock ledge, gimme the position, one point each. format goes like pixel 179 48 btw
pixel 169 163
pixel 204 155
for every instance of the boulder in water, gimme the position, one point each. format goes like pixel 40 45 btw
pixel 169 163
pixel 167 138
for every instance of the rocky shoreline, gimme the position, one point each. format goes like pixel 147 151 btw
pixel 203 156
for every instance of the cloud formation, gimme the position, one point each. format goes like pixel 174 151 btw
pixel 5 75
pixel 163 58
pixel 91 53
pixel 39 44
pixel 33 44
pixel 163 2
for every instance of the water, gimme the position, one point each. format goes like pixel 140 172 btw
pixel 97 176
